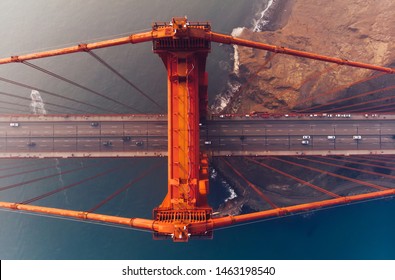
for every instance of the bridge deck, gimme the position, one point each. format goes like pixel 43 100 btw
pixel 146 136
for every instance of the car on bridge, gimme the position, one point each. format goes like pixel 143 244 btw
pixel 31 144
pixel 305 142
pixel 331 137
pixel 139 143
pixel 126 138
pixel 14 124
pixel 94 124
pixel 357 137
pixel 306 137
pixel 107 143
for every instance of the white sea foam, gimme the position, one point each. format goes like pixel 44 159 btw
pixel 259 23
pixel 37 104
pixel 213 173
pixel 223 99
pixel 232 193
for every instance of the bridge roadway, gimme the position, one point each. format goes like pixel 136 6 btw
pixel 146 136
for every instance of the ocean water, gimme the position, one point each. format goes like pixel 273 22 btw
pixel 361 231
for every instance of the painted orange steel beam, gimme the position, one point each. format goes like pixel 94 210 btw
pixel 283 211
pixel 132 222
pixel 132 39
pixel 202 226
pixel 227 39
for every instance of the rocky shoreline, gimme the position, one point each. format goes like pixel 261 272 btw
pixel 279 83
pixel 352 30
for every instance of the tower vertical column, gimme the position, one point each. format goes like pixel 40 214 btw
pixel 185 204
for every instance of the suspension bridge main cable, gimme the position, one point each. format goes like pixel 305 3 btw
pixel 99 59
pixel 54 94
pixel 227 39
pixel 78 85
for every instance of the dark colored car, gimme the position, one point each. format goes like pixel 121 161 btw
pixel 139 143
pixel 107 143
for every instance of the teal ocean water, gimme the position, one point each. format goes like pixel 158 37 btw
pixel 360 231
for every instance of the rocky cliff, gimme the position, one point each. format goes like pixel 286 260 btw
pixel 359 30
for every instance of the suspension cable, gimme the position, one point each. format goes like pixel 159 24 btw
pixel 22 165
pixel 48 176
pixel 335 90
pixel 252 186
pixel 332 174
pixel 295 178
pixel 373 160
pixel 32 170
pixel 99 59
pixel 28 201
pixel 350 168
pixel 12 110
pixel 54 94
pixel 46 103
pixel 357 162
pixel 78 85
pixel 352 97
pixel 368 109
pixel 124 188
pixel 315 75
pixel 339 109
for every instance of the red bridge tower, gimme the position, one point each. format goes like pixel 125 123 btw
pixel 183 48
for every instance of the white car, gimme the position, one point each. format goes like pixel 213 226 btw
pixel 357 137
pixel 306 137
pixel 305 142
pixel 331 137
pixel 14 124
pixel 207 142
